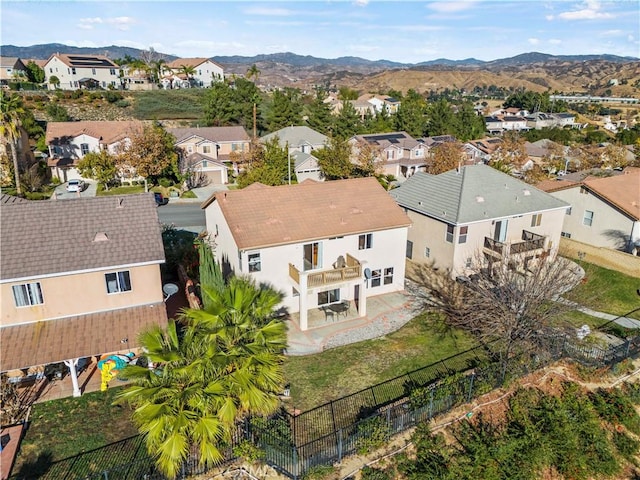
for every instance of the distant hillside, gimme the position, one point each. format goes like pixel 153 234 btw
pixel 44 51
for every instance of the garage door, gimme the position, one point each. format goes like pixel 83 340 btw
pixel 214 177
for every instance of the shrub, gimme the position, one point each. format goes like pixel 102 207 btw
pixel 626 445
pixel 249 452
pixel 37 195
pixel 370 473
pixel 372 433
pixel 123 103
pixel 165 182
pixel 111 96
pixel 55 181
pixel 320 472
pixel 189 194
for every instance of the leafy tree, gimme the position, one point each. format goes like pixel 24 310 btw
pixel 379 122
pixel 55 81
pixel 411 115
pixel 345 94
pixel 157 67
pixel 219 107
pixel 12 109
pixel 284 110
pixel 510 152
pixel 320 117
pixel 189 71
pixel 245 96
pixel 35 74
pixel 446 156
pixel 368 162
pixel 268 166
pixel 225 364
pixel 347 123
pixel 468 125
pixel 57 113
pixel 100 166
pixel 334 159
pixel 150 152
pixel 441 119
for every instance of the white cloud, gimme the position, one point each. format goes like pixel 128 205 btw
pixel 361 3
pixel 269 12
pixel 589 10
pixel 449 7
pixel 555 41
pixel 534 41
pixel 612 33
pixel 549 17
pixel 121 23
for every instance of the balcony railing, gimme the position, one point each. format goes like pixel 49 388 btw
pixel 531 241
pixel 351 271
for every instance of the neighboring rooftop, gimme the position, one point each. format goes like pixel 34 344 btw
pixel 213 134
pixel 66 236
pixel 188 62
pixel 623 191
pixel 77 60
pixel 107 131
pixel 296 136
pixel 474 193
pixel 261 216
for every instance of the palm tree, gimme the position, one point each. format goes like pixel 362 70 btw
pixel 225 364
pixel 189 71
pixel 253 72
pixel 11 109
pixel 158 68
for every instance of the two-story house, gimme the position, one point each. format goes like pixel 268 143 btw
pixel 11 68
pixel 205 71
pixel 78 278
pixel 75 71
pixel 474 212
pixel 399 153
pixel 318 243
pixel 207 151
pixel 301 141
pixel 68 142
pixel 604 212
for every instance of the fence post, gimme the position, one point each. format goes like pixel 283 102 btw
pixel 105 474
pixel 626 353
pixel 339 445
pixel 471 377
pixel 431 405
pixel 295 466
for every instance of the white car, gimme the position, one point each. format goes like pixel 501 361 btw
pixel 75 186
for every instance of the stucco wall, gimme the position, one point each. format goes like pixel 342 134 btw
pixel 601 256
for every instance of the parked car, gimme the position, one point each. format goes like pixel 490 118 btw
pixel 75 186
pixel 160 199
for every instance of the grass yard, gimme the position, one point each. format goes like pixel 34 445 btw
pixel 607 291
pixel 169 104
pixel 62 428
pixel 125 190
pixel 316 379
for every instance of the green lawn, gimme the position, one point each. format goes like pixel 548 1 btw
pixel 316 379
pixel 125 190
pixel 169 104
pixel 607 291
pixel 63 428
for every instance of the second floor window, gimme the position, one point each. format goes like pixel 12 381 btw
pixel 27 294
pixel 588 218
pixel 365 241
pixel 118 282
pixel 462 237
pixel 536 219
pixel 254 262
pixel 84 148
pixel 388 275
pixel 450 229
pixel 206 149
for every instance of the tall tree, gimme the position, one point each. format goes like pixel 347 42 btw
pixel 35 74
pixel 253 72
pixel 468 125
pixel 441 119
pixel 335 159
pixel 446 156
pixel 285 109
pixel 150 152
pixel 12 110
pixel 511 152
pixel 271 166
pixel 347 123
pixel 224 365
pixel 189 71
pixel 219 105
pixel 411 115
pixel 100 166
pixel 368 161
pixel 320 117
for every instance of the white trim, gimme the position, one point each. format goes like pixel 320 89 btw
pixel 79 272
pixel 80 314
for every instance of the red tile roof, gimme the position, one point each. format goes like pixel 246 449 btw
pixel 107 131
pixel 261 216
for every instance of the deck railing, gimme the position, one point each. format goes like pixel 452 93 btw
pixel 531 241
pixel 352 270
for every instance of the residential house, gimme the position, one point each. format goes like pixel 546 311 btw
pixel 86 282
pixel 68 142
pixel 604 211
pixel 540 120
pixel 475 212
pixel 480 151
pixel 318 243
pixel 210 151
pixel 374 103
pixel 301 141
pixel 11 68
pixel 399 153
pixel 499 123
pixel 75 71
pixel 206 72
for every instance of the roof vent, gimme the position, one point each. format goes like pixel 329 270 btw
pixel 479 199
pixel 419 202
pixel 527 192
pixel 120 203
pixel 101 237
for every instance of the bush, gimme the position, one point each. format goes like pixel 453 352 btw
pixel 320 472
pixel 165 182
pixel 55 181
pixel 373 433
pixel 37 195
pixel 370 473
pixel 189 194
pixel 112 97
pixel 123 103
pixel 249 452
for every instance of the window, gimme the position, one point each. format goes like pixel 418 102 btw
pixel 565 234
pixel 588 218
pixel 389 154
pixel 536 219
pixel 388 275
pixel 254 262
pixel 376 276
pixel 450 233
pixel 112 71
pixel 312 256
pixel 84 148
pixel 27 294
pixel 419 153
pixel 330 296
pixel 205 163
pixel 583 190
pixel 190 148
pixel 427 252
pixel 462 236
pixel 93 71
pixel 118 282
pixel 467 262
pixel 73 71
pixel 568 212
pixel 206 149
pixel 409 252
pixel 365 241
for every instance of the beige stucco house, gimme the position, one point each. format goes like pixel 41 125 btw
pixel 318 243
pixel 75 71
pixel 475 212
pixel 604 212
pixel 78 278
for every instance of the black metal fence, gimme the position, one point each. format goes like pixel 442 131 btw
pixel 326 434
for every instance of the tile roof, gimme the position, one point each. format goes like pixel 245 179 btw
pixel 296 136
pixel 10 199
pixel 261 216
pixel 623 191
pixel 214 134
pixel 51 341
pixel 57 236
pixel 108 131
pixel 477 193
pixel 189 62
pixel 553 185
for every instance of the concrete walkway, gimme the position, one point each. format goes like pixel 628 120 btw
pixel 202 194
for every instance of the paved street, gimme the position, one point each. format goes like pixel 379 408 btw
pixel 186 216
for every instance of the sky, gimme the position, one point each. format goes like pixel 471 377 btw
pixel 403 31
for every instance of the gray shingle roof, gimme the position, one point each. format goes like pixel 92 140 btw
pixel 296 136
pixel 477 193
pixel 59 236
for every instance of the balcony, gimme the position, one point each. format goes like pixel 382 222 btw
pixel 352 270
pixel 530 243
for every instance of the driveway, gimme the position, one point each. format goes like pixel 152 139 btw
pixel 61 193
pixel 203 194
